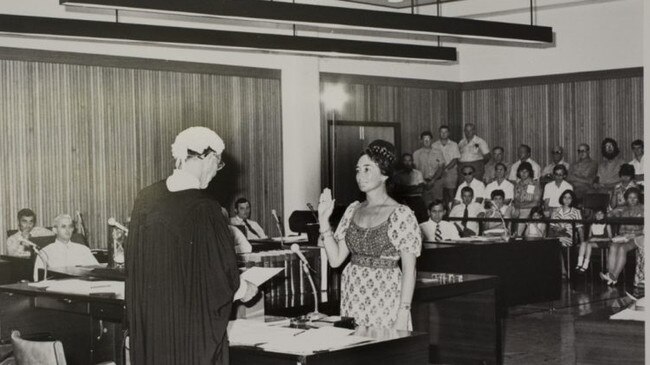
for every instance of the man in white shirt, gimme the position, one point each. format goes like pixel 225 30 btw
pixel 435 229
pixel 63 252
pixel 524 156
pixel 431 162
pixel 474 151
pixel 497 157
pixel 637 161
pixel 26 228
pixel 478 189
pixel 241 218
pixel 500 183
pixel 467 209
pixel 451 153
pixel 557 158
pixel 554 189
pixel 241 243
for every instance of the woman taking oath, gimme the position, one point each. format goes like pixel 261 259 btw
pixel 378 233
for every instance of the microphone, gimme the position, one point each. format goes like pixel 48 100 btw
pixel 491 206
pixel 39 253
pixel 114 223
pixel 315 315
pixel 313 211
pixel 277 224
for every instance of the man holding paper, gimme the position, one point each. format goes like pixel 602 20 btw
pixel 182 275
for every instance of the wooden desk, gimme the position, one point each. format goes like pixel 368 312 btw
pixel 390 347
pixel 529 270
pixel 600 340
pixel 90 327
pixel 463 319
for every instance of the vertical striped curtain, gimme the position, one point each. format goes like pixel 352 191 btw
pixel 88 138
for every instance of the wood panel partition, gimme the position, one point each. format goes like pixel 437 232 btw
pixel 561 110
pixel 83 132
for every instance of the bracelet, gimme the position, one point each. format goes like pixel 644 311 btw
pixel 405 306
pixel 328 232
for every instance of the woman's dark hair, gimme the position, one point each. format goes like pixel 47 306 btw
pixel 525 166
pixel 636 191
pixel 626 170
pixel 502 165
pixel 539 210
pixel 573 197
pixel 497 192
pixel 383 154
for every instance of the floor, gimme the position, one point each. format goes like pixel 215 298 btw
pixel 537 335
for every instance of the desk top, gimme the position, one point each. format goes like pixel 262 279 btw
pixel 486 242
pixel 25 289
pixel 428 287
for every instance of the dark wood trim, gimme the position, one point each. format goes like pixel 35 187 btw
pixel 86 59
pixel 333 15
pixel 388 81
pixel 554 79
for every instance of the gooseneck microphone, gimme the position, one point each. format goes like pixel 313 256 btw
pixel 39 253
pixel 313 211
pixel 315 315
pixel 277 224
pixel 116 224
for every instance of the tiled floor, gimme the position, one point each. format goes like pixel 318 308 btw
pixel 535 335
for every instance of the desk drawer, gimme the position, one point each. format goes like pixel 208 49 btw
pixel 62 304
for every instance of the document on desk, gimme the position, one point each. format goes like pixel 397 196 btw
pixel 292 239
pixel 245 332
pixel 83 287
pixel 315 340
pixel 259 275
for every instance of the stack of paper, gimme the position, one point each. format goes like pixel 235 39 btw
pixel 245 332
pixel 82 287
pixel 310 341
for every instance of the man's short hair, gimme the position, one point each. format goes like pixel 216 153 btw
pixel 437 202
pixel 468 166
pixel 407 154
pixel 57 220
pixel 241 200
pixel 26 212
pixel 466 189
pixel 637 143
pixel 426 133
pixel 499 148
pixel 444 126
pixel 497 192
pixel 527 147
pixel 502 165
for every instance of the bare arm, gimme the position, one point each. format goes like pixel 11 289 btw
pixel 408 286
pixel 336 252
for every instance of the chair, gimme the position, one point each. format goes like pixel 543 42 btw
pixel 38 352
pixel 592 202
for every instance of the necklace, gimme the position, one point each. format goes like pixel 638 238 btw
pixel 371 223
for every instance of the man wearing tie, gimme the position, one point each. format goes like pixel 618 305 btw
pixel 436 229
pixel 467 209
pixel 241 218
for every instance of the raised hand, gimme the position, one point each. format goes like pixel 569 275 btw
pixel 325 207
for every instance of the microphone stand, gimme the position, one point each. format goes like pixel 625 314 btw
pixel 40 254
pixel 315 315
pixel 506 234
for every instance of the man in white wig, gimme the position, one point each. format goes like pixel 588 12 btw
pixel 182 275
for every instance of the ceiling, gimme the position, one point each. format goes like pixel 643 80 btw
pixel 399 4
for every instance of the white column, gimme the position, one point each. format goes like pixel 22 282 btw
pixel 301 139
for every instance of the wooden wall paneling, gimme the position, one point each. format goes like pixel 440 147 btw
pixel 88 137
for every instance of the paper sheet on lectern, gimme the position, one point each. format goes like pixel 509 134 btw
pixel 259 275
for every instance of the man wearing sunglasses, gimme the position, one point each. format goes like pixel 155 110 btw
pixel 557 158
pixel 582 173
pixel 478 188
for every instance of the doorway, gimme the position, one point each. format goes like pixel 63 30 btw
pixel 347 140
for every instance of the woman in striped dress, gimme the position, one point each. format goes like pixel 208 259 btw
pixel 564 231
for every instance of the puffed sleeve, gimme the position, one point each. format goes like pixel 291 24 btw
pixel 404 232
pixel 345 222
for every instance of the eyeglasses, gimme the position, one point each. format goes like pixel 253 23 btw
pixel 468 173
pixel 221 165
pixel 581 151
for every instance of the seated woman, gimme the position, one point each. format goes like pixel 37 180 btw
pixel 497 210
pixel 527 193
pixel 626 173
pixel 627 236
pixel 378 233
pixel 535 229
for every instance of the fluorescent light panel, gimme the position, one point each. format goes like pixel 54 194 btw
pixel 334 16
pixel 174 35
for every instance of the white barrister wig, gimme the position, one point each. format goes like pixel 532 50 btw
pixel 197 139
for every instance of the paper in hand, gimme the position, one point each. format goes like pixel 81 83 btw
pixel 259 275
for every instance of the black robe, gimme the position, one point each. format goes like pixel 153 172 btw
pixel 181 277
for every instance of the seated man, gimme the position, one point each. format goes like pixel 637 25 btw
pixel 26 228
pixel 64 252
pixel 467 209
pixel 241 218
pixel 241 243
pixel 435 229
pixel 554 189
pixel 408 187
pixel 478 188
pixel 500 183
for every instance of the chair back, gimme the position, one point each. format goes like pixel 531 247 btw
pixel 37 352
